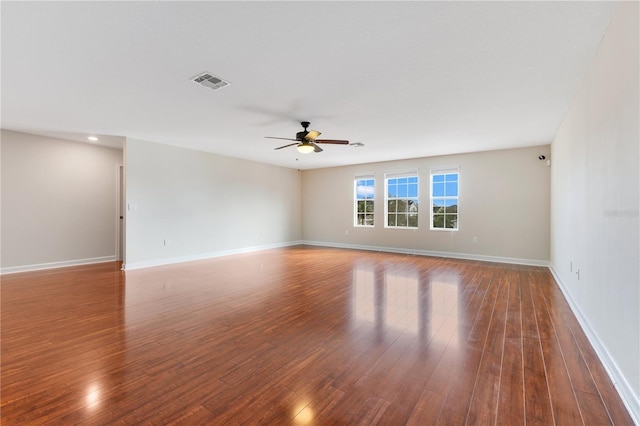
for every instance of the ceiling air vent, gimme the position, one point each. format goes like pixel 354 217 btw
pixel 211 81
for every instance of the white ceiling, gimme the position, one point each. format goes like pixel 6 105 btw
pixel 407 79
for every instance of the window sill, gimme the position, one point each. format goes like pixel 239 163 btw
pixel 401 227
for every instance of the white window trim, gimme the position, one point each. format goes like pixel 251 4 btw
pixel 355 200
pixel 443 171
pixel 394 175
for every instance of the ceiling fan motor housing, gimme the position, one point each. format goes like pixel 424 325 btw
pixel 301 135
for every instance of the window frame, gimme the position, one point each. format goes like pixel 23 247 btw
pixel 372 199
pixel 400 175
pixel 444 171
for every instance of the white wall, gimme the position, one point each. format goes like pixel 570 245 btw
pixel 204 204
pixel 595 191
pixel 504 201
pixel 58 202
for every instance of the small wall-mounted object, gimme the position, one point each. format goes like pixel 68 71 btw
pixel 542 157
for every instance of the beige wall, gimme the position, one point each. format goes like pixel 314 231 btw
pixel 504 202
pixel 58 202
pixel 595 195
pixel 204 204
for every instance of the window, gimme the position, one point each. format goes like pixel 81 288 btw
pixel 444 199
pixel 401 200
pixel 364 200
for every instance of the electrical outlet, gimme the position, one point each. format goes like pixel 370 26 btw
pixel 346 232
pixel 475 239
pixel 165 242
pixel 578 274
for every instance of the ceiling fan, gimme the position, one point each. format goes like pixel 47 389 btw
pixel 306 140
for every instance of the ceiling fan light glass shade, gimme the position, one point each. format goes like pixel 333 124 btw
pixel 305 148
pixel 312 134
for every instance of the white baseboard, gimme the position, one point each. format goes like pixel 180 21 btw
pixel 129 266
pixel 51 265
pixel 630 399
pixel 465 256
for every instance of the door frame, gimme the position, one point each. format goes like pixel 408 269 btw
pixel 120 235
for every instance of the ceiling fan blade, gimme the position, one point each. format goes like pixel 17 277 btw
pixel 316 148
pixel 284 139
pixel 333 141
pixel 312 135
pixel 284 146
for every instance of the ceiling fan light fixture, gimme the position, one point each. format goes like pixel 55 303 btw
pixel 306 141
pixel 305 148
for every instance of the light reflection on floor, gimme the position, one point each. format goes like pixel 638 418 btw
pixel 303 415
pixel 443 309
pixel 400 299
pixel 93 396
pixel 364 294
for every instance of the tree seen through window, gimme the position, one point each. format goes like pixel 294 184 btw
pixel 365 197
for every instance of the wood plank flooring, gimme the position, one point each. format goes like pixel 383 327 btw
pixel 299 335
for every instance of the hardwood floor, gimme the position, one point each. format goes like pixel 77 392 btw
pixel 299 336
